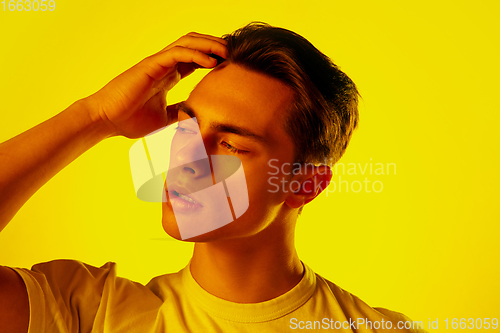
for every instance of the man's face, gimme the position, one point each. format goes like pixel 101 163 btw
pixel 240 113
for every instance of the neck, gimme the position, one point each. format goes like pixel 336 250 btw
pixel 251 269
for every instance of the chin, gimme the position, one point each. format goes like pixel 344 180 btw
pixel 168 222
pixel 169 225
pixel 172 231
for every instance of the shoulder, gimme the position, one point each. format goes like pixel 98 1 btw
pixel 366 316
pixel 74 294
pixel 63 274
pixel 168 285
pixel 74 269
pixel 68 291
pixel 74 278
pixel 68 275
pixel 409 325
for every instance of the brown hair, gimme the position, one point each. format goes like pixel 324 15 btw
pixel 325 112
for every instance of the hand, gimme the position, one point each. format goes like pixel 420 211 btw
pixel 134 103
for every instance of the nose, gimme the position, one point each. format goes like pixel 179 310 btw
pixel 194 170
pixel 189 163
pixel 190 155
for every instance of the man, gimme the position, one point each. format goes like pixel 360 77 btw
pixel 274 98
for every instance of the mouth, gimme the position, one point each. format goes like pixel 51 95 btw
pixel 183 203
pixel 184 197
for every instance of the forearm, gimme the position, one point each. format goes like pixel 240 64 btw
pixel 30 159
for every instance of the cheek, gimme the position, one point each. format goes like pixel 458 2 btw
pixel 266 187
pixel 263 194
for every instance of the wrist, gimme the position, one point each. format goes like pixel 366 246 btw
pixel 101 125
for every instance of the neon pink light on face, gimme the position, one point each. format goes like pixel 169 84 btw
pixel 204 193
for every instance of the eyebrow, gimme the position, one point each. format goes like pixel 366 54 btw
pixel 225 128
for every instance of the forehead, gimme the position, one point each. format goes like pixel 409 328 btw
pixel 243 97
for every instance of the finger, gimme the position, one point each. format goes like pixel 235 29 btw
pixel 219 59
pixel 196 35
pixel 186 69
pixel 180 54
pixel 217 39
pixel 158 65
pixel 200 43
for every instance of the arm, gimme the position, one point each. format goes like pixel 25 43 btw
pixel 133 105
pixel 30 159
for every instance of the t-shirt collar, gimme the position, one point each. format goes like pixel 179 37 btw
pixel 251 312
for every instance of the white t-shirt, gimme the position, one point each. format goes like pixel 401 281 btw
pixel 70 296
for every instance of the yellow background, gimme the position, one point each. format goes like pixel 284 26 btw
pixel 427 245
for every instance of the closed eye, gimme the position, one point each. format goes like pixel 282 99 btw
pixel 184 130
pixel 232 149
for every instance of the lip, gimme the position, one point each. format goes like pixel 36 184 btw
pixel 178 200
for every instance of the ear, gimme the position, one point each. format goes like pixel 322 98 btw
pixel 312 182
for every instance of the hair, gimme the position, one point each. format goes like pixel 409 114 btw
pixel 325 108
